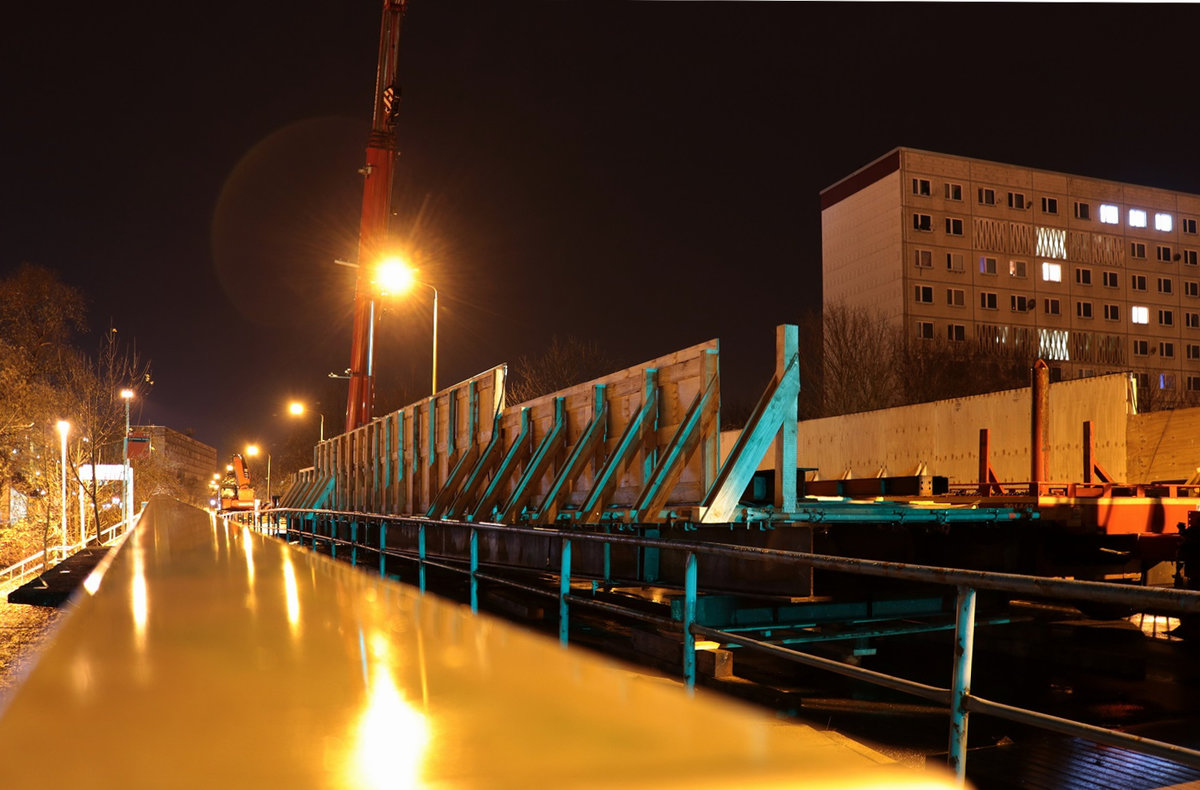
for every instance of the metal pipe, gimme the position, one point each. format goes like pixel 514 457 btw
pixel 564 592
pixel 1089 451
pixel 689 619
pixel 474 567
pixel 1039 424
pixel 964 650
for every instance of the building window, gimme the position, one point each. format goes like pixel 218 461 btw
pixel 924 293
pixel 1141 348
pixel 1137 282
pixel 1049 205
pixel 953 191
pixel 1110 279
pixel 1166 317
pixel 921 186
pixel 1191 288
pixel 1166 381
pixel 1143 380
pixel 1139 314
pixel 955 297
pixel 1192 351
pixel 987 265
pixel 954 262
pixel 1188 225
pixel 1051 272
pixel 925 330
pixel 1053 307
pixel 1193 383
pixel 1083 276
pixel 1163 222
pixel 923 258
pixel 1016 269
pixel 1189 257
pixel 922 222
pixel 1137 218
pixel 1109 214
pixel 1164 285
pixel 1083 309
pixel 987 197
pixel 1162 252
pixel 1137 249
pixel 1021 304
pixel 956 332
pixel 1191 320
pixel 1016 200
pixel 1112 312
pixel 954 226
pixel 1166 350
pixel 987 300
pixel 1082 210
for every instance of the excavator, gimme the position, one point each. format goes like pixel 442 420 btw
pixel 236 491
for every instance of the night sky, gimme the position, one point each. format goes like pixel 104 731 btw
pixel 641 175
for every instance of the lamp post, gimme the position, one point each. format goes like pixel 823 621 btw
pixel 395 276
pixel 126 482
pixel 296 409
pixel 64 427
pixel 252 450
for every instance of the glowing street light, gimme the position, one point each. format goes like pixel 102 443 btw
pixel 64 428
pixel 395 276
pixel 297 409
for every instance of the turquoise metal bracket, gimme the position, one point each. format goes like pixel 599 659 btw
pixel 516 453
pixel 593 509
pixel 537 467
pixel 578 458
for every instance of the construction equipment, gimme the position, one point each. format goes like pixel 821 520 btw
pixel 376 209
pixel 236 491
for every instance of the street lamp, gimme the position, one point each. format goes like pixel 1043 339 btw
pixel 126 481
pixel 252 450
pixel 64 427
pixel 395 276
pixel 296 409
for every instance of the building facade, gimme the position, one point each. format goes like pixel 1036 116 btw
pixel 1094 276
pixel 187 464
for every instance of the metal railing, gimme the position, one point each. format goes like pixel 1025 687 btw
pixel 957 696
pixel 35 563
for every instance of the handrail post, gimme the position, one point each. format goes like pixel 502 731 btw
pixel 689 618
pixel 964 648
pixel 353 543
pixel 474 568
pixel 383 549
pixel 333 537
pixel 564 589
pixel 421 555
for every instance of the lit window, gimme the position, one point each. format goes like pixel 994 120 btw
pixel 1166 381
pixel 1163 222
pixel 1016 269
pixel 1051 272
pixel 987 265
pixel 1137 218
pixel 1139 314
pixel 1109 214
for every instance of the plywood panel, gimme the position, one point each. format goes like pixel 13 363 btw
pixel 1164 445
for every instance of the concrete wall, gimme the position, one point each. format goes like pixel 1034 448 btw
pixel 945 435
pixel 861 249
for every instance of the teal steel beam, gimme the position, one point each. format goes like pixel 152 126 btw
pixel 698 419
pixel 517 453
pixel 592 435
pixel 606 478
pixel 487 461
pixel 540 462
pixel 964 649
pixel 777 402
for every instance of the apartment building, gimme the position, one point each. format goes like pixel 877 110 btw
pixel 1095 276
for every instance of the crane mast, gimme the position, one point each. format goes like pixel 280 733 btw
pixel 376 210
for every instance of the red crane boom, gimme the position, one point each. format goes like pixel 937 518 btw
pixel 376 209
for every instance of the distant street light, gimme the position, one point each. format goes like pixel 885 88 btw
pixel 252 450
pixel 297 409
pixel 64 428
pixel 126 486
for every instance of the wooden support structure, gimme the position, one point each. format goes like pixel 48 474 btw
pixel 988 483
pixel 1092 467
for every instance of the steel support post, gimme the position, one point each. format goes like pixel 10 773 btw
pixel 564 589
pixel 689 618
pixel 474 569
pixel 383 549
pixel 353 543
pixel 421 555
pixel 333 537
pixel 964 647
pixel 607 557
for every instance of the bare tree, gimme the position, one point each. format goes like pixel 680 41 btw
pixel 564 363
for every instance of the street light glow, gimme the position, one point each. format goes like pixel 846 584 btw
pixel 126 394
pixel 296 408
pixel 394 276
pixel 63 427
pixel 252 449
